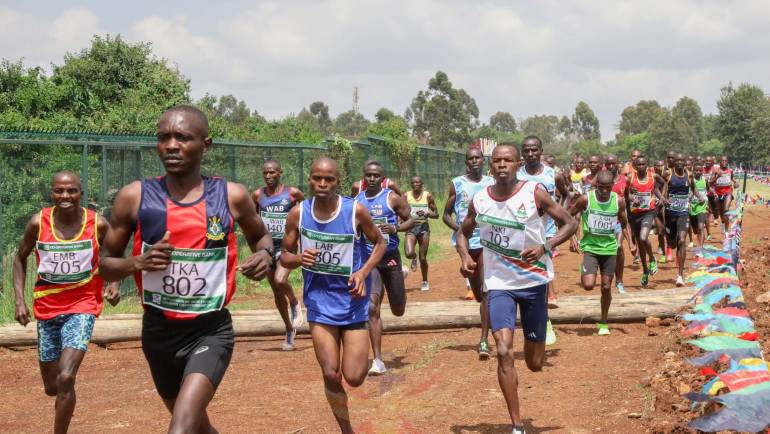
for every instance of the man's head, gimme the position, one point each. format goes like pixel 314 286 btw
pixel 670 158
pixel 709 161
pixel 324 177
pixel 66 190
pixel 611 163
pixel 474 161
pixel 550 161
pixel 640 165
pixel 635 154
pixel 723 162
pixel 504 163
pixel 183 138
pixel 416 183
pixel 595 164
pixel 697 167
pixel 271 173
pixel 604 181
pixel 579 164
pixel 373 175
pixel 531 150
pixel 679 162
pixel 660 165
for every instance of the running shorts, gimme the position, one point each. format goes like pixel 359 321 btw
pixel 175 348
pixel 605 264
pixel 698 221
pixel 392 278
pixel 675 225
pixel 532 306
pixel 419 230
pixel 69 330
pixel 642 220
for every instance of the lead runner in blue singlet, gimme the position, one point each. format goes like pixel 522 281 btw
pixel 324 236
pixel 273 202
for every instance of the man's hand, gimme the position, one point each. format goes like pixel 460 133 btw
pixel 422 213
pixel 112 293
pixel 533 254
pixel 308 257
pixel 357 281
pixel 158 257
pixel 467 266
pixel 255 266
pixel 22 313
pixel 633 247
pixel 388 229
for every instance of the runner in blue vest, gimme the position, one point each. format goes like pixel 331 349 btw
pixel 385 207
pixel 517 263
pixel 324 236
pixel 273 202
pixel 461 193
pixel 677 193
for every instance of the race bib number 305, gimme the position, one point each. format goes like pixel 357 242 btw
pixel 194 282
pixel 275 223
pixel 68 262
pixel 335 251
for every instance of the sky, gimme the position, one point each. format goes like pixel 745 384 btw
pixel 522 57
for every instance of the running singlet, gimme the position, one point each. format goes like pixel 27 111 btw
pixel 642 196
pixel 341 252
pixel 697 207
pixel 588 183
pixel 598 222
pixel 548 178
pixel 507 228
pixel 724 183
pixel 68 279
pixel 678 194
pixel 273 210
pixel 362 184
pixel 201 276
pixel 382 214
pixel 619 187
pixel 465 189
pixel 418 204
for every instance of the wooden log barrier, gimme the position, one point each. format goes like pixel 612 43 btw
pixel 431 315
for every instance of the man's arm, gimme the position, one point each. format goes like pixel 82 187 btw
pixel 578 206
pixel 403 210
pixel 289 258
pixel 296 194
pixel 566 224
pixel 623 218
pixel 449 209
pixel 370 231
pixel 433 214
pixel 111 289
pixel 355 188
pixel 255 197
pixel 256 235
pixel 26 245
pixel 562 186
pixel 467 264
pixel 393 186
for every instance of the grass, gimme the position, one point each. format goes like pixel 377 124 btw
pixel 754 187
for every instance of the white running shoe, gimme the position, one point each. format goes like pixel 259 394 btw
pixel 424 286
pixel 679 281
pixel 378 367
pixel 288 344
pixel 550 334
pixel 518 430
pixel 691 245
pixel 404 271
pixel 621 287
pixel 297 316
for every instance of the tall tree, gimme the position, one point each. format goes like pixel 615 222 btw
pixel 689 119
pixel 383 114
pixel 503 122
pixel 546 127
pixel 443 115
pixel 350 124
pixel 738 109
pixel 585 123
pixel 637 118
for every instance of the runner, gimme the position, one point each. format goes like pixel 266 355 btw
pixel 461 193
pixel 68 289
pixel 642 193
pixel 629 166
pixel 385 209
pixel 699 206
pixel 723 181
pixel 577 174
pixel 601 211
pixel 273 202
pixel 619 183
pixel 360 185
pixel 328 230
pixel 423 208
pixel 184 261
pixel 677 194
pixel 517 263
pixel 708 171
pixel 660 224
pixel 595 164
pixel 533 170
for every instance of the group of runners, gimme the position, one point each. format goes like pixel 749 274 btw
pixel 506 226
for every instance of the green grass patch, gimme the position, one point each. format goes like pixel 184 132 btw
pixel 754 187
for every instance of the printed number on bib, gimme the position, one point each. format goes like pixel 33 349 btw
pixel 679 202
pixel 694 199
pixel 641 200
pixel 275 223
pixel 194 282
pixel 505 237
pixel 423 208
pixel 335 251
pixel 377 222
pixel 724 181
pixel 65 262
pixel 600 224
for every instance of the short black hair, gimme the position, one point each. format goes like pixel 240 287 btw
pixel 193 111
pixel 533 137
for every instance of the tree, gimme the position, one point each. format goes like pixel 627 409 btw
pixel 503 122
pixel 585 123
pixel 383 115
pixel 350 124
pixel 546 127
pixel 321 113
pixel 735 126
pixel 626 144
pixel 688 117
pixel 637 118
pixel 443 115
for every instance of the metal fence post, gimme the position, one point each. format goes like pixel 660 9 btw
pixel 231 158
pixel 104 178
pixel 84 175
pixel 138 164
pixel 301 170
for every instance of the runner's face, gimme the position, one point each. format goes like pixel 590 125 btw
pixel 659 166
pixel 66 192
pixel 612 165
pixel 550 162
pixel 504 164
pixel 723 163
pixel 670 159
pixel 594 164
pixel 579 164
pixel 181 143
pixel 373 175
pixel 323 181
pixel 416 184
pixel 640 165
pixel 603 190
pixel 474 161
pixel 531 152
pixel 635 155
pixel 679 162
pixel 272 175
pixel 698 169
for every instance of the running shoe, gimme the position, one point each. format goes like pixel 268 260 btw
pixel 645 279
pixel 636 260
pixel 708 237
pixel 518 430
pixel 288 344
pixel 469 295
pixel 679 280
pixel 378 368
pixel 621 288
pixel 424 286
pixel 653 267
pixel 604 329
pixel 550 333
pixel 483 350
pixel 662 259
pixel 659 251
pixel 691 245
pixel 297 316
pixel 413 267
pixel 669 254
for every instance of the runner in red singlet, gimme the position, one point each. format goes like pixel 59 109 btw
pixel 641 194
pixel 723 181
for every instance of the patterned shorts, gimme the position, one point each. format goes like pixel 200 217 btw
pixel 71 330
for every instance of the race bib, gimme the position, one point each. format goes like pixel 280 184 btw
pixel 679 202
pixel 641 200
pixel 694 199
pixel 601 224
pixel 377 222
pixel 67 262
pixel 724 181
pixel 275 223
pixel 578 187
pixel 420 207
pixel 194 282
pixel 505 237
pixel 335 252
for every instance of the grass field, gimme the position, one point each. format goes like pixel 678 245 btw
pixel 754 187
